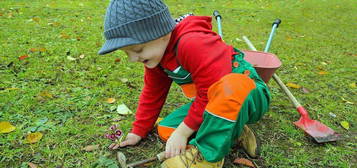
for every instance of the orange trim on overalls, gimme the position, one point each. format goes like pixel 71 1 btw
pixel 164 132
pixel 226 97
pixel 189 90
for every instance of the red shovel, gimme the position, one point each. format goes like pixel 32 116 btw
pixel 320 132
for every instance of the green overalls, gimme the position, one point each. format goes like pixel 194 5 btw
pixel 239 98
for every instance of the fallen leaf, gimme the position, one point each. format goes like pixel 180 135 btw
pixel 323 63
pixel 345 125
pixel 293 85
pixel 6 127
pixel 71 58
pixel 34 137
pixel 12 89
pixel 45 94
pixel 23 57
pixel 121 159
pixel 124 80
pixel 117 60
pixel 33 49
pixel 36 19
pixel 305 90
pixel 348 102
pixel 322 73
pixel 32 165
pixel 123 109
pixel 243 161
pixel 353 85
pixel 117 119
pixel 110 100
pixel 64 36
pixel 90 148
pixel 81 56
pixel 332 115
pixel 42 49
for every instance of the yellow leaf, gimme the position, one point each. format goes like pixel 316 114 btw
pixel 46 94
pixel 353 85
pixel 322 73
pixel 110 100
pixel 12 89
pixel 36 19
pixel 293 85
pixel 90 148
pixel 34 137
pixel 6 127
pixel 42 49
pixel 345 125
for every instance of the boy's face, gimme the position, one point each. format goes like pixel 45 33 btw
pixel 149 53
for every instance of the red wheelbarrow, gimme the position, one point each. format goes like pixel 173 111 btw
pixel 266 64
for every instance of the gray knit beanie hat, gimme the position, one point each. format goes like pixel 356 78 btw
pixel 129 22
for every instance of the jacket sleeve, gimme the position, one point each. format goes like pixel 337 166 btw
pixel 152 98
pixel 208 59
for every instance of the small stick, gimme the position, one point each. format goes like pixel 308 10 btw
pixel 160 157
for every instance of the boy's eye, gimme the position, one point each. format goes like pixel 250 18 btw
pixel 138 50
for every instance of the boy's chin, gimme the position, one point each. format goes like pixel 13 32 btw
pixel 150 66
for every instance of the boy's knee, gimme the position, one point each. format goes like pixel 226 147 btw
pixel 164 132
pixel 226 97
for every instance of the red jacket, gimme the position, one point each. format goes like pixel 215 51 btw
pixel 201 52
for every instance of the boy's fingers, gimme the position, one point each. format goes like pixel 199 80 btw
pixel 116 146
pixel 111 145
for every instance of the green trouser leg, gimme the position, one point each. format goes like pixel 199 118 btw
pixel 174 119
pixel 216 135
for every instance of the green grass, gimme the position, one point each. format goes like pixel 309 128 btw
pixel 314 36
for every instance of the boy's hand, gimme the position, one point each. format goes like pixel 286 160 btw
pixel 177 142
pixel 175 145
pixel 131 139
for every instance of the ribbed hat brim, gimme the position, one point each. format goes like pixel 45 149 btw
pixel 116 43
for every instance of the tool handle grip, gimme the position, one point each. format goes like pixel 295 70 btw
pixel 277 22
pixel 216 14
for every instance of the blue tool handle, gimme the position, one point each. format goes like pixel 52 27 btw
pixel 218 18
pixel 275 25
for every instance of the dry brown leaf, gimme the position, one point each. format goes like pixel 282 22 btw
pixel 322 73
pixel 117 60
pixel 111 100
pixel 34 137
pixel 293 85
pixel 6 127
pixel 23 57
pixel 243 161
pixel 32 165
pixel 33 49
pixel 305 90
pixel 90 148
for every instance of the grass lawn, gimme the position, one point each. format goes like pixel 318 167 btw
pixel 52 81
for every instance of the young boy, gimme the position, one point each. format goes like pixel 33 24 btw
pixel 226 91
